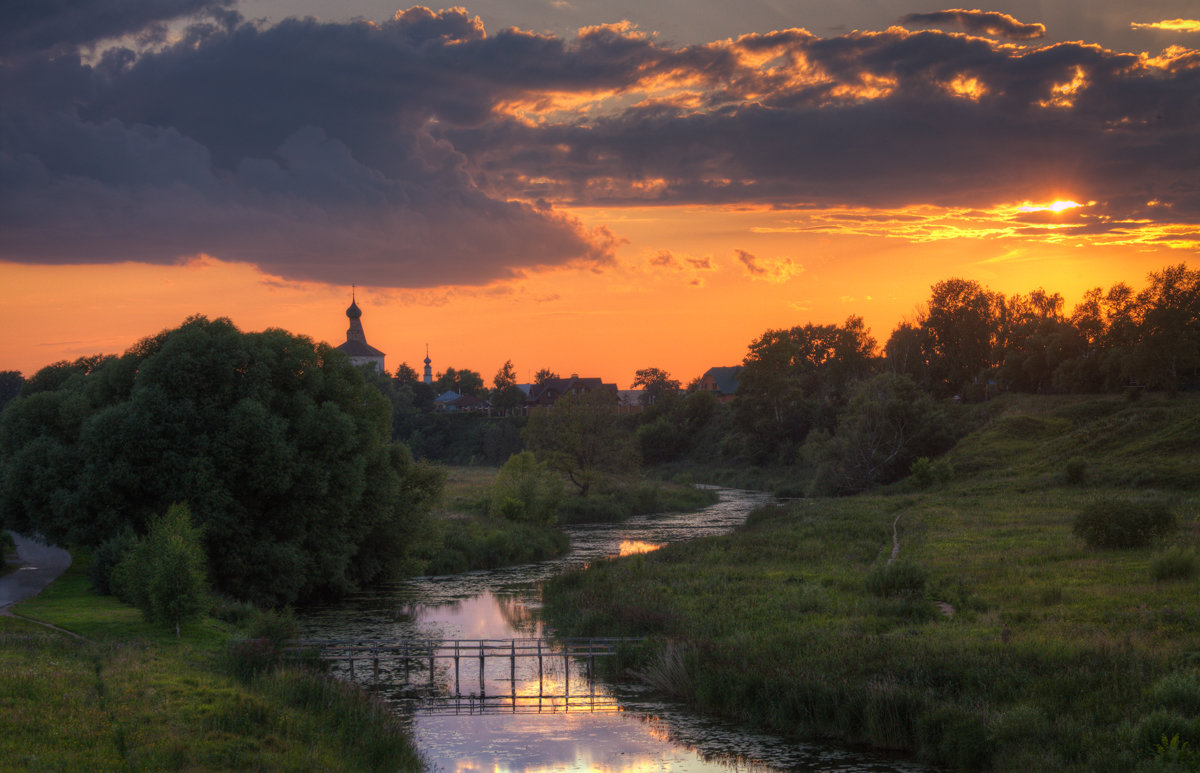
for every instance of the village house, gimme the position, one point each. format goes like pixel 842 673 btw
pixel 545 395
pixel 721 382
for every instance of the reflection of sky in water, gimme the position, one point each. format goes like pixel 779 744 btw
pixel 647 735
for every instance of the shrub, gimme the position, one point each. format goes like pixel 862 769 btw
pixel 1075 470
pixel 925 471
pixel 525 491
pixel 899 578
pixel 1176 564
pixel 105 559
pixel 1123 523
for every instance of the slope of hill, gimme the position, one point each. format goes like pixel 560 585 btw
pixel 997 639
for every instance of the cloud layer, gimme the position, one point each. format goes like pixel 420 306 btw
pixel 423 151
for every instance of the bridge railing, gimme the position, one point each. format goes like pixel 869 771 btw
pixel 399 661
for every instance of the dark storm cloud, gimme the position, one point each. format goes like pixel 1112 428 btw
pixel 422 151
pixel 993 23
pixel 885 120
pixel 304 148
pixel 42 25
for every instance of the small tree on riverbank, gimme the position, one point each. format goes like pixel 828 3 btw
pixel 163 574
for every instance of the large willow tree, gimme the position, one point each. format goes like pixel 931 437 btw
pixel 277 444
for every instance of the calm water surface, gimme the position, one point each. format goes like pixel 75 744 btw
pixel 642 734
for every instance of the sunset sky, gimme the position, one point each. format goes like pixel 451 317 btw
pixel 591 187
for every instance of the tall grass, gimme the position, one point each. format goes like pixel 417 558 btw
pixel 132 697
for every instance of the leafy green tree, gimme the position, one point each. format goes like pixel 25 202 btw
pixel 506 395
pixel 888 424
pixel 11 382
pixel 465 382
pixel 962 327
pixel 405 374
pixel 797 380
pixel 657 386
pixel 163 573
pixel 543 375
pixel 279 445
pixel 581 438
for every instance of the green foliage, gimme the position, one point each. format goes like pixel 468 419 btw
pixel 526 491
pixel 926 472
pixel 106 557
pixel 488 544
pixel 795 381
pixel 279 445
pixel 1175 564
pixel 580 438
pixel 1123 523
pixel 887 424
pixel 1075 470
pixel 164 573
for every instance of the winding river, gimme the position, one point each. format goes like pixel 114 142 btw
pixel 624 729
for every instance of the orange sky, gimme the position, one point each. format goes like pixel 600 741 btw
pixel 591 202
pixel 608 322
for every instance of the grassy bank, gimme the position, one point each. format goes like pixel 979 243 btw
pixel 133 697
pixel 998 641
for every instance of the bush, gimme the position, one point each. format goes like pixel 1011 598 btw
pixel 898 578
pixel 105 559
pixel 525 491
pixel 925 471
pixel 1075 470
pixel 1176 564
pixel 1123 523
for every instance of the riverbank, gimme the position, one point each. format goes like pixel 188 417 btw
pixel 999 640
pixel 464 537
pixel 133 696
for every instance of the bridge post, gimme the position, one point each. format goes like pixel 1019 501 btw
pixel 350 660
pixel 512 673
pixel 539 669
pixel 457 691
pixel 482 687
pixel 567 676
pixel 429 642
pixel 375 661
pixel 404 656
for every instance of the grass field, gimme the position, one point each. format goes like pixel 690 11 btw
pixel 134 697
pixel 998 640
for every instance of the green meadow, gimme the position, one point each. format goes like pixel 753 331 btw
pixel 996 639
pixel 133 697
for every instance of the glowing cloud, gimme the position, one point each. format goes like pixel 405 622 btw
pixel 1170 25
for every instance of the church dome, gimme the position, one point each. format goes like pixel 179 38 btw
pixel 353 312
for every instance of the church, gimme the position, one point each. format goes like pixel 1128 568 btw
pixel 356 346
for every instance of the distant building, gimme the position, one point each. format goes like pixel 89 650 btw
pixel 722 382
pixel 428 377
pixel 453 402
pixel 544 395
pixel 356 346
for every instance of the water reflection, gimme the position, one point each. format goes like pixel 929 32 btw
pixel 645 735
pixel 632 547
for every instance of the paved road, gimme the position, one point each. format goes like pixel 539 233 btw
pixel 40 565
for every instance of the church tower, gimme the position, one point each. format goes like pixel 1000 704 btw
pixel 356 346
pixel 428 378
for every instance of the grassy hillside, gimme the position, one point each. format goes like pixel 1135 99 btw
pixel 133 697
pixel 997 640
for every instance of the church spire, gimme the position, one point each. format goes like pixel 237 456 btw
pixel 428 376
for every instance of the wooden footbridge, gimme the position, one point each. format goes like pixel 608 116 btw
pixel 475 676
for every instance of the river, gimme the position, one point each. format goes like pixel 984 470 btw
pixel 624 729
